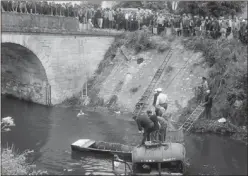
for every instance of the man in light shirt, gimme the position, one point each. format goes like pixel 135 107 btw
pixel 127 14
pixel 160 22
pixel 162 100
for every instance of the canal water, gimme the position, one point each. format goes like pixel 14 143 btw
pixel 50 131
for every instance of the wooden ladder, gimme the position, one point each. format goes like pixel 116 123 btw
pixel 141 105
pixel 187 125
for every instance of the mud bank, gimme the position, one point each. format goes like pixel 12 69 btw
pixel 214 127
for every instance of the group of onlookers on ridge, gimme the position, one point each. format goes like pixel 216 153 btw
pixel 134 19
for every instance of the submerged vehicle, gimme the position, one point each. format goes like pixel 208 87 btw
pixel 164 159
pixel 167 158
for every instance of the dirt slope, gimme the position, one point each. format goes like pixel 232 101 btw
pixel 128 80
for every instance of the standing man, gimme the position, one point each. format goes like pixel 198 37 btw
pixel 111 18
pixel 138 17
pixel 160 22
pixel 157 110
pixel 208 105
pixel 162 100
pixel 99 18
pixel 163 128
pixel 204 88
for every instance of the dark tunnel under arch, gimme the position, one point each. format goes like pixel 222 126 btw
pixel 21 67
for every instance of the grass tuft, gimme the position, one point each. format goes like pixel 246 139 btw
pixel 16 164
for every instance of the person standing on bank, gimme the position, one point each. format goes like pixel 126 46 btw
pixel 204 88
pixel 162 101
pixel 208 105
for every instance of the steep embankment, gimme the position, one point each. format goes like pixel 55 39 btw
pixel 133 59
pixel 133 68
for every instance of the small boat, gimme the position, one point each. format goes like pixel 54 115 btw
pixel 88 145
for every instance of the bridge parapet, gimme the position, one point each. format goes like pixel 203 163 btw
pixel 18 22
pixel 56 25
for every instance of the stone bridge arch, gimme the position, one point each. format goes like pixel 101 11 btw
pixel 23 73
pixel 66 59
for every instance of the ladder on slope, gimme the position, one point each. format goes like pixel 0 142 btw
pixel 141 105
pixel 187 125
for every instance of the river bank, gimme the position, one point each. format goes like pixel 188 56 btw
pixel 204 126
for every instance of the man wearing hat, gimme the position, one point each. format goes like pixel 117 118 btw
pixel 208 105
pixel 161 101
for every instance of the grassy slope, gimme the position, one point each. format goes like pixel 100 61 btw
pixel 227 63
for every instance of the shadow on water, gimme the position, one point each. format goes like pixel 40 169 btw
pixel 51 131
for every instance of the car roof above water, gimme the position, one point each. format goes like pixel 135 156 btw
pixel 164 153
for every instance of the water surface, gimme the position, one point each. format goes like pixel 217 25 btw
pixel 50 131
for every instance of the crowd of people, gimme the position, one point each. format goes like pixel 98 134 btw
pixel 135 19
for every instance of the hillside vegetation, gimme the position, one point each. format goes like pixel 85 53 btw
pixel 227 76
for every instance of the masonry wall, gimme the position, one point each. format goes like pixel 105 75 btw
pixel 37 23
pixel 67 59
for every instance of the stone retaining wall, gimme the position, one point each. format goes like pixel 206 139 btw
pixel 41 23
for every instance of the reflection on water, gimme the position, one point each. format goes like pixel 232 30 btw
pixel 50 131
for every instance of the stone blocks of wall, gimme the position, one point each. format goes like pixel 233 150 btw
pixel 31 92
pixel 66 59
pixel 17 22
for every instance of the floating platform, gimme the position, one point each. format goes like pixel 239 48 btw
pixel 88 145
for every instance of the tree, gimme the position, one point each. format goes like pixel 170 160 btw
pixel 128 4
pixel 211 8
pixel 91 4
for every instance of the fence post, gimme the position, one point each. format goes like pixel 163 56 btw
pixel 48 94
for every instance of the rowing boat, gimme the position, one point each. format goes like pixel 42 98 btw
pixel 88 145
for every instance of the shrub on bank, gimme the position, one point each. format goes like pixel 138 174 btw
pixel 227 62
pixel 12 162
pixel 163 47
pixel 139 41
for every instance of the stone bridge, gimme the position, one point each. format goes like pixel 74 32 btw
pixel 45 59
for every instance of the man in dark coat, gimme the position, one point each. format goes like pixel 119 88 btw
pixel 208 105
pixel 148 123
